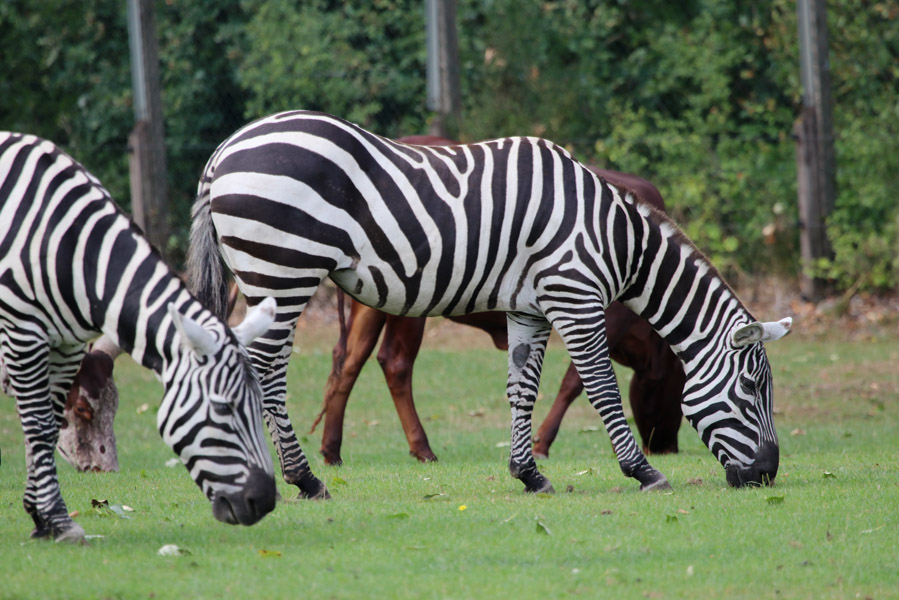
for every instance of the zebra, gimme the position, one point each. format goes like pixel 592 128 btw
pixel 72 265
pixel 514 225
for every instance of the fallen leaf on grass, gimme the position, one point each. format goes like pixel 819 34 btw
pixel 797 432
pixel 269 553
pixel 432 496
pixel 589 471
pixel 336 480
pixel 829 475
pixel 103 507
pixel 588 429
pixel 143 408
pixel 694 481
pixel 542 528
pixel 476 413
pixel 671 518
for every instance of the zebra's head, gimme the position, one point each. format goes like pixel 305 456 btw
pixel 730 402
pixel 211 414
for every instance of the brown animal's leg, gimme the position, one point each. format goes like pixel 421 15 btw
pixel 656 401
pixel 402 340
pixel 570 389
pixel 363 328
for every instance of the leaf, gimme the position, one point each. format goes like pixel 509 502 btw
pixel 269 553
pixel 432 496
pixel 775 499
pixel 503 444
pixel 542 528
pixel 588 471
pixel 121 510
pixel 829 475
pixel 589 429
pixel 399 515
pixel 671 518
pixel 172 550
pixel 337 480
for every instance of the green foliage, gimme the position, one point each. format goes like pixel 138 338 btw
pixel 864 226
pixel 362 60
pixel 699 97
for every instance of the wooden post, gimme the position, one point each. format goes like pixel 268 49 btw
pixel 816 163
pixel 149 178
pixel 443 67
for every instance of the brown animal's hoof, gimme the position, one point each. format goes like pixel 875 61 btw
pixel 331 458
pixel 424 457
pixel 540 452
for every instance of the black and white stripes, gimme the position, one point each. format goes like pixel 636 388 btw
pixel 72 266
pixel 514 225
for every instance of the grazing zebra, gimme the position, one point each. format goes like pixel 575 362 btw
pixel 512 225
pixel 73 265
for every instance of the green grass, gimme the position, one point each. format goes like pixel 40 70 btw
pixel 462 528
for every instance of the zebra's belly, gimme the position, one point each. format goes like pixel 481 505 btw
pixel 423 295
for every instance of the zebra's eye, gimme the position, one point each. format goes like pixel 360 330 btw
pixel 220 405
pixel 748 385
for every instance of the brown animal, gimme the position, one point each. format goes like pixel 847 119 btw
pixel 86 438
pixel 655 390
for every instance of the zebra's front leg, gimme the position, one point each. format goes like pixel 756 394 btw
pixel 584 335
pixel 294 464
pixel 527 343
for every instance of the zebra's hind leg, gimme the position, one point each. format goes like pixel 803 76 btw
pixel 527 343
pixel 29 369
pixel 583 332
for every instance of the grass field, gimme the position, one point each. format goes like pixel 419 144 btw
pixel 462 528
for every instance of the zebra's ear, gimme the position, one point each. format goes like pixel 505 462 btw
pixel 259 319
pixel 760 332
pixel 193 336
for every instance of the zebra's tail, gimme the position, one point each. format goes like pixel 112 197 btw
pixel 206 275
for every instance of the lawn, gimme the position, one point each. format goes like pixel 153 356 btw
pixel 462 528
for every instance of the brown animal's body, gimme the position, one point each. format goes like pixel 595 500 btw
pixel 655 390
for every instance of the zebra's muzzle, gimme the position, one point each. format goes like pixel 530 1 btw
pixel 249 505
pixel 760 472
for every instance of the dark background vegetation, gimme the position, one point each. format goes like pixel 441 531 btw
pixel 698 96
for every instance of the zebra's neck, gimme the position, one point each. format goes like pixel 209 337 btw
pixel 129 302
pixel 674 287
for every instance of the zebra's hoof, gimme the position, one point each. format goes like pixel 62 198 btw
pixel 319 492
pixel 538 485
pixel 546 489
pixel 657 484
pixel 73 535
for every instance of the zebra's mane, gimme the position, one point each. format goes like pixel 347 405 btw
pixel 672 231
